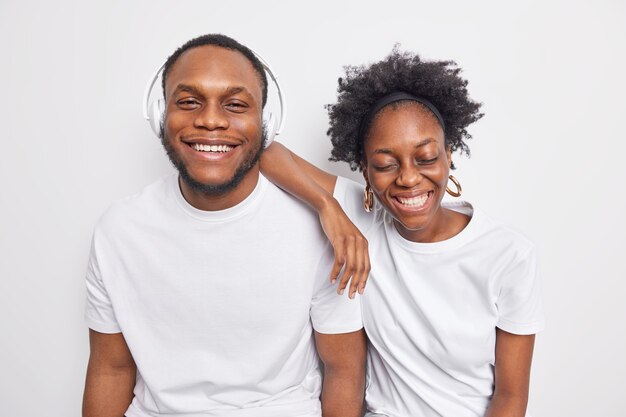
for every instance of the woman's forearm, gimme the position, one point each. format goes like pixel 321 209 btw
pixel 297 177
pixel 507 406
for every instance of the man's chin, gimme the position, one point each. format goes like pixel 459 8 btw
pixel 209 187
pixel 206 186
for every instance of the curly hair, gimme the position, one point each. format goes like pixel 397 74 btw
pixel 223 41
pixel 437 81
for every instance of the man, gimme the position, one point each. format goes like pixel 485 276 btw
pixel 203 288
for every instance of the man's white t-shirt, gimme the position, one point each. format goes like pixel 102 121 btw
pixel 431 310
pixel 217 308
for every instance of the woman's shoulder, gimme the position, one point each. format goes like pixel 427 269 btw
pixel 493 232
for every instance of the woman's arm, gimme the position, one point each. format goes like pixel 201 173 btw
pixel 513 358
pixel 315 187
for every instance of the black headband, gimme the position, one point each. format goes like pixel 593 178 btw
pixel 398 96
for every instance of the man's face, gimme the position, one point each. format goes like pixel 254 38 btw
pixel 213 119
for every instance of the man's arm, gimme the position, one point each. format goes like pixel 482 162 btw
pixel 110 376
pixel 344 357
pixel 513 358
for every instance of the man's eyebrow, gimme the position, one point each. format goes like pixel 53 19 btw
pixel 236 90
pixel 187 88
pixel 229 91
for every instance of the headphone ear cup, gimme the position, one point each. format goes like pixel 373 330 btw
pixel 156 116
pixel 271 126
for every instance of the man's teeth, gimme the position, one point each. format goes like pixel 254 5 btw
pixel 414 201
pixel 212 148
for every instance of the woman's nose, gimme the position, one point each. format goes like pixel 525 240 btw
pixel 408 177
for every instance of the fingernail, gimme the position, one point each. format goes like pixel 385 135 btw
pixel 333 281
pixel 341 292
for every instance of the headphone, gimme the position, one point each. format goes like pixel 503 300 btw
pixel 154 112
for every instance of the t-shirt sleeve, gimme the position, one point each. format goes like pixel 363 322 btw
pixel 99 314
pixel 349 195
pixel 520 304
pixel 332 313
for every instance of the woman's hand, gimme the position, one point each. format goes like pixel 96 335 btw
pixel 350 248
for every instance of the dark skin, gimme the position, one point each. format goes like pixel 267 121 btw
pixel 344 380
pixel 513 359
pixel 407 165
pixel 406 160
pixel 214 98
pixel 110 377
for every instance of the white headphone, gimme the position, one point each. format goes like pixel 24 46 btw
pixel 154 112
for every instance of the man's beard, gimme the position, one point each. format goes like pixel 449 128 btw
pixel 213 189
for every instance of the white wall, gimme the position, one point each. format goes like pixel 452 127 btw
pixel 548 156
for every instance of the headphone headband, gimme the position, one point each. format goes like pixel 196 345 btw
pixel 158 106
pixel 148 90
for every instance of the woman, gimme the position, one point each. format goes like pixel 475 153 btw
pixel 452 303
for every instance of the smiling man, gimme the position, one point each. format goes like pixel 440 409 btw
pixel 207 292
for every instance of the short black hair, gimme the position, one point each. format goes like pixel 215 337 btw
pixel 222 41
pixel 437 81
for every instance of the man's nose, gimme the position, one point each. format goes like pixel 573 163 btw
pixel 212 116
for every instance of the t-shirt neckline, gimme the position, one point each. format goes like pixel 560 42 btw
pixel 218 215
pixel 454 242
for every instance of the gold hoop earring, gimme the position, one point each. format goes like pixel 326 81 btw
pixel 368 199
pixel 458 191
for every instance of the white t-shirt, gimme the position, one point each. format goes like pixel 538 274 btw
pixel 431 310
pixel 217 308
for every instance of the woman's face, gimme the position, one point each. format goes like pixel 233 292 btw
pixel 407 166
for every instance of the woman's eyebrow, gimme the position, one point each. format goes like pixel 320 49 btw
pixel 424 142
pixel 419 144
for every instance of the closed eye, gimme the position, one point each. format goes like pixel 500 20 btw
pixel 236 106
pixel 428 161
pixel 188 103
pixel 384 168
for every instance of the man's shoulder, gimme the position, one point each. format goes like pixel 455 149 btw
pixel 349 194
pixel 283 202
pixel 129 209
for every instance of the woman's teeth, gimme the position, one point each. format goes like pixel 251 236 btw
pixel 211 148
pixel 414 201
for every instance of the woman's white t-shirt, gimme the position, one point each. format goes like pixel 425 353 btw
pixel 431 310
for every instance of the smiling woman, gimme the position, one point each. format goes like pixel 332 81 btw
pixel 406 164
pixel 453 301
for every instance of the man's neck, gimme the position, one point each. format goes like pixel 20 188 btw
pixel 215 202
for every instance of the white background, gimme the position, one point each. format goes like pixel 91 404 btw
pixel 548 157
